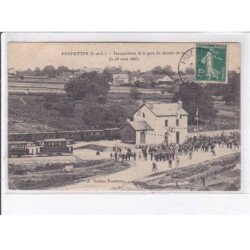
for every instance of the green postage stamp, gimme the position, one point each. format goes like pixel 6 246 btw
pixel 211 63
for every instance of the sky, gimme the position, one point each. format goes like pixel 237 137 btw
pixel 142 56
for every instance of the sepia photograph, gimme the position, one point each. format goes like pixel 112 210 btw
pixel 121 123
pixel 116 116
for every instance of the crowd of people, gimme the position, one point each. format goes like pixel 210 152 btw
pixel 172 152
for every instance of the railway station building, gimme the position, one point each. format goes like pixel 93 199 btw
pixel 155 123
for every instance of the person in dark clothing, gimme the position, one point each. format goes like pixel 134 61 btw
pixel 213 152
pixel 134 155
pixel 177 162
pixel 170 163
pixel 154 167
pixel 203 180
pixel 190 155
pixel 151 155
pixel 128 155
pixel 123 157
pixel 116 156
pixel 156 156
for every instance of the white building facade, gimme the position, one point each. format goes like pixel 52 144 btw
pixel 120 79
pixel 156 123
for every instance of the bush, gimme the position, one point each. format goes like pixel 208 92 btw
pixel 52 97
pixel 135 94
pixel 48 105
pixel 102 99
pixel 88 84
pixel 65 109
pixel 104 116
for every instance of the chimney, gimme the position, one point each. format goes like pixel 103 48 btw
pixel 179 104
pixel 140 103
pixel 151 105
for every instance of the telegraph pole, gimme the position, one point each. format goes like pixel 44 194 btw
pixel 197 125
pixel 235 118
pixel 197 121
pixel 235 122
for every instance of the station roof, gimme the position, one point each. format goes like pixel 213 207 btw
pixel 18 142
pixel 165 79
pixel 140 125
pixel 166 109
pixel 55 140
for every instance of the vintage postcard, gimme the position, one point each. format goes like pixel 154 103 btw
pixel 124 116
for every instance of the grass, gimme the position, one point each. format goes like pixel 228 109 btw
pixel 30 113
pixel 42 177
pixel 219 174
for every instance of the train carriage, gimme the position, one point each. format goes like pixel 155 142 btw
pixel 19 137
pixel 78 135
pixel 55 146
pixel 18 148
pixel 69 135
pixel 112 134
pixel 92 135
pixel 43 135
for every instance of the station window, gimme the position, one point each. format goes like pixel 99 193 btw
pixel 177 122
pixel 143 115
pixel 166 123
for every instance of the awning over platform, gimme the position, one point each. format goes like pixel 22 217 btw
pixel 140 125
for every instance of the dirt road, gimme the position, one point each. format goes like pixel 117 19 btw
pixel 139 169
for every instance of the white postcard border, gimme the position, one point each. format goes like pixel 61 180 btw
pixel 123 203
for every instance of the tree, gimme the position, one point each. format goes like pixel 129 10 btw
pixel 157 70
pixel 166 70
pixel 113 70
pixel 102 99
pixel 49 71
pixel 65 109
pixel 21 77
pixel 168 89
pixel 193 98
pixel 51 97
pixel 62 69
pixel 232 94
pixel 135 94
pixel 89 83
pixel 48 105
pixel 189 71
pixel 137 83
pixel 104 116
pixel 37 72
pixel 152 84
pixel 28 72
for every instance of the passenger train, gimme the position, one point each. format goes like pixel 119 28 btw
pixel 78 135
pixel 50 143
